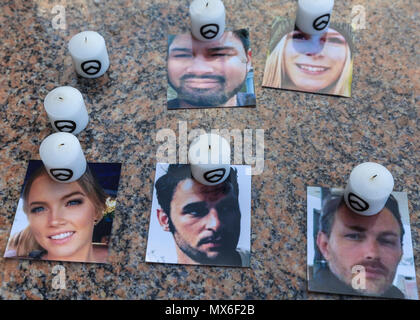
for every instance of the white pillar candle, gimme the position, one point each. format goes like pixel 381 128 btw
pixel 368 189
pixel 63 157
pixel 207 19
pixel 90 57
pixel 209 156
pixel 66 110
pixel 313 16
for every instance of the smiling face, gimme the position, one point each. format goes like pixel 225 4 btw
pixel 61 218
pixel 313 63
pixel 207 73
pixel 370 241
pixel 205 222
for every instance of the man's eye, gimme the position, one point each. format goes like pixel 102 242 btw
pixel 74 202
pixel 220 55
pixel 388 242
pixel 354 236
pixel 197 213
pixel 37 209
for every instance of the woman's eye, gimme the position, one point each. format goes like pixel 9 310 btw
pixel 74 202
pixel 299 36
pixel 37 209
pixel 335 40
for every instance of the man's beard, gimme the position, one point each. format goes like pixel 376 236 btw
pixel 191 252
pixel 373 287
pixel 205 97
pixel 225 253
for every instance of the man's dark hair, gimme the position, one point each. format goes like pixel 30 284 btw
pixel 241 34
pixel 166 184
pixel 333 203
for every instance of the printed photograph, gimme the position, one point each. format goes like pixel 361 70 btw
pixel 359 255
pixel 65 221
pixel 210 74
pixel 191 223
pixel 316 64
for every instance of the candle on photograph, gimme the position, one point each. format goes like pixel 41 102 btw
pixel 209 157
pixel 368 189
pixel 207 19
pixel 313 16
pixel 89 54
pixel 66 110
pixel 63 157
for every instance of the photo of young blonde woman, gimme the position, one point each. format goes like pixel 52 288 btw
pixel 61 218
pixel 318 64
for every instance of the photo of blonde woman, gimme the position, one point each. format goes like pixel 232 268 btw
pixel 317 64
pixel 61 218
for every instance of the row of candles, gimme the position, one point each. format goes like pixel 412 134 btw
pixel 368 189
pixel 369 186
pixel 64 105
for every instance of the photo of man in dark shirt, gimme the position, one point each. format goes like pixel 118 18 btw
pixel 373 244
pixel 210 74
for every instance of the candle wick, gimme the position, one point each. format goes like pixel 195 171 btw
pixel 85 39
pixel 207 4
pixel 61 144
pixel 60 98
pixel 374 177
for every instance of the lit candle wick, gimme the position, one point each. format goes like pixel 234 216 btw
pixel 373 177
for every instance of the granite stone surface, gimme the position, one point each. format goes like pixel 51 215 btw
pixel 309 139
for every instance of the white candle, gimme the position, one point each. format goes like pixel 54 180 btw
pixel 90 57
pixel 209 156
pixel 207 19
pixel 368 188
pixel 313 16
pixel 66 110
pixel 63 157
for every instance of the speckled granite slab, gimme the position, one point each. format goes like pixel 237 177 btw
pixel 309 139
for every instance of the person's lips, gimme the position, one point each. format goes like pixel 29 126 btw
pixel 202 83
pixel 61 237
pixel 375 272
pixel 211 242
pixel 312 69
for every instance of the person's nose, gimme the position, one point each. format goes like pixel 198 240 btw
pixel 200 66
pixel 55 218
pixel 314 47
pixel 213 220
pixel 371 249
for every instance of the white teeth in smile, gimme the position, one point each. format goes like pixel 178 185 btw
pixel 312 69
pixel 61 236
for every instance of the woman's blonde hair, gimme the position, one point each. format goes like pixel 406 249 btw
pixel 24 242
pixel 274 72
